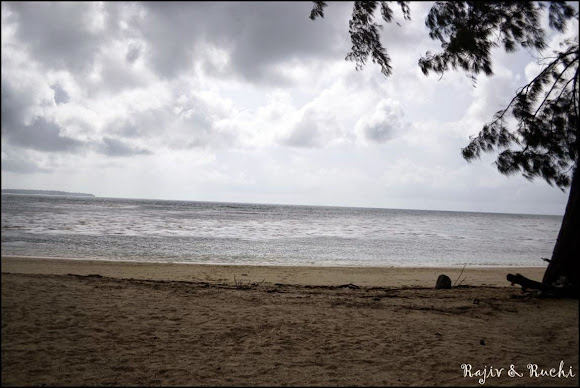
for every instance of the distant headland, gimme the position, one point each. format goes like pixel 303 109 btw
pixel 44 192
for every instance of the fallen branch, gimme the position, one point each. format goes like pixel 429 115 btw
pixel 460 275
pixel 241 284
pixel 525 282
pixel 561 290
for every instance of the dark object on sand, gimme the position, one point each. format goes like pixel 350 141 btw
pixel 560 289
pixel 443 282
pixel 350 285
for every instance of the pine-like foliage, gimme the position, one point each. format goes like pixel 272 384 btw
pixel 545 142
pixel 364 32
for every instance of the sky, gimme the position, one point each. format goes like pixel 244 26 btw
pixel 248 102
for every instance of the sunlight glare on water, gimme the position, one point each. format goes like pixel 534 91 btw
pixel 230 233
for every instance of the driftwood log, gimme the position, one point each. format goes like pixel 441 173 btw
pixel 559 290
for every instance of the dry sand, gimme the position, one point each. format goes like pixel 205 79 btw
pixel 75 322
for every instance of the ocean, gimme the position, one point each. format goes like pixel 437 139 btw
pixel 261 234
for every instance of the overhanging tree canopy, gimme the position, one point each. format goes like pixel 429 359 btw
pixel 545 141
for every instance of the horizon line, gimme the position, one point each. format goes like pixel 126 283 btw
pixel 281 204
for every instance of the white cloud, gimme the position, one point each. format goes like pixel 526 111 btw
pixel 243 101
pixel 383 124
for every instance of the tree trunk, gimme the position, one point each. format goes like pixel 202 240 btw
pixel 565 261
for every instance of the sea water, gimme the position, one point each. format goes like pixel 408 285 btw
pixel 260 234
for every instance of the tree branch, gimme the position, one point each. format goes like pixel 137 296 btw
pixel 526 87
pixel 554 85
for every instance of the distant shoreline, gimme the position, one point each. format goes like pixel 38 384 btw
pixel 45 192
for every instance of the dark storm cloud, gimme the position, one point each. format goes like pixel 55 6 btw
pixel 41 134
pixel 21 166
pixel 305 134
pixel 45 135
pixel 385 123
pixel 379 132
pixel 13 107
pixel 116 147
pixel 257 36
pixel 57 33
pixel 133 53
pixel 60 95
pixel 147 124
pixel 163 127
pixel 109 47
pixel 313 130
pixel 273 33
pixel 172 37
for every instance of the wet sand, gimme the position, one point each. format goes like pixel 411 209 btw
pixel 76 322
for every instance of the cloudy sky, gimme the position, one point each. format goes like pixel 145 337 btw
pixel 247 102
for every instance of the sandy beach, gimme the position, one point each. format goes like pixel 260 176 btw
pixel 81 322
